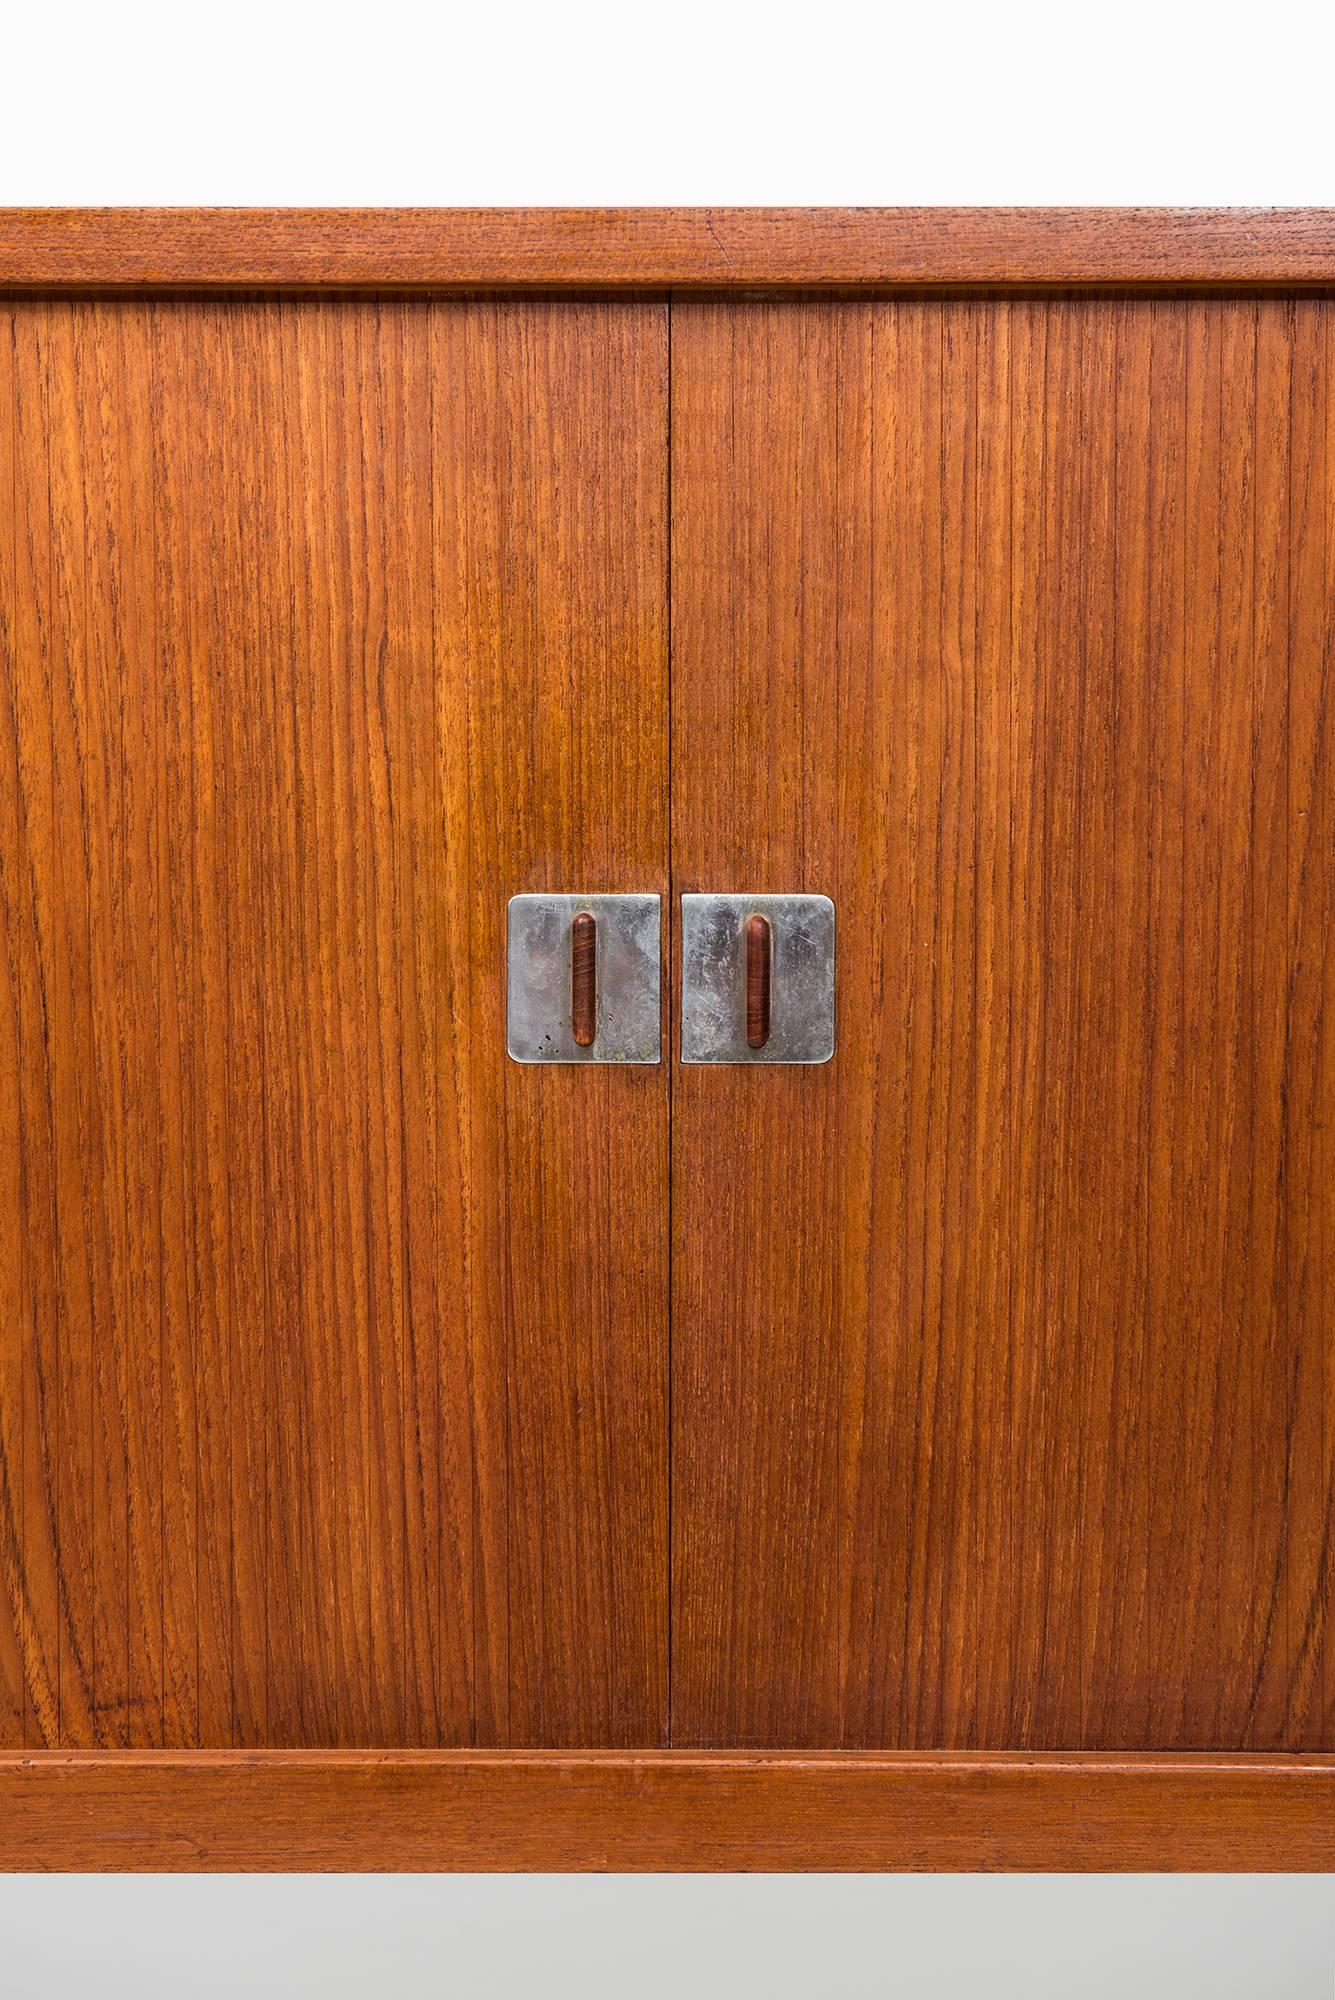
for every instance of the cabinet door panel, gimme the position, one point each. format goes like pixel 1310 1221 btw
pixel 1003 1401
pixel 326 1414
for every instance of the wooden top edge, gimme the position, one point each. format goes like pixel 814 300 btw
pixel 637 249
pixel 1037 1763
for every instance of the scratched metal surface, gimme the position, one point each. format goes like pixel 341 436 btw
pixel 538 1025
pixel 713 1008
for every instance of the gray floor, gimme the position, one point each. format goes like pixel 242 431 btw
pixel 610 1938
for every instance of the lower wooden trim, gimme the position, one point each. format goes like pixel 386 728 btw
pixel 662 1810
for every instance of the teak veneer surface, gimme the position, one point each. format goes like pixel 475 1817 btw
pixel 333 1347
pixel 378 1416
pixel 690 248
pixel 666 1810
pixel 1004 1345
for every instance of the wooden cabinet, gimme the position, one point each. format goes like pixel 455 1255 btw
pixel 413 1458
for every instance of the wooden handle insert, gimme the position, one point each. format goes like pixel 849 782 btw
pixel 758 956
pixel 584 979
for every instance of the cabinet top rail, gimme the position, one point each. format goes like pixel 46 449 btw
pixel 639 249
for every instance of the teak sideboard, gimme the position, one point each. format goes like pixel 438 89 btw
pixel 415 1457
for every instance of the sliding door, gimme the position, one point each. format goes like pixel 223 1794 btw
pixel 333 1347
pixel 1004 1344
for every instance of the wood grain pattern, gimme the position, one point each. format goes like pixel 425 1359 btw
pixel 757 981
pixel 1002 1381
pixel 324 1416
pixel 668 1811
pixel 692 248
pixel 334 1348
pixel 584 979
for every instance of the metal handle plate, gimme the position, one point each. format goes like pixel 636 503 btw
pixel 757 979
pixel 582 979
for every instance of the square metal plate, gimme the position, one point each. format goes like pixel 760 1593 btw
pixel 713 991
pixel 537 979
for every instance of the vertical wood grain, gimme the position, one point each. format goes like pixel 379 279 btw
pixel 1002 1399
pixel 17 1651
pixel 1310 1165
pixel 333 1361
pixel 551 636
pixel 1276 1501
pixel 333 1364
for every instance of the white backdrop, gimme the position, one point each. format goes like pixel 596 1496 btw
pixel 664 1937
pixel 689 101
pixel 267 102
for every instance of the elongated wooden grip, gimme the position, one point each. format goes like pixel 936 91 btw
pixel 757 981
pixel 584 979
